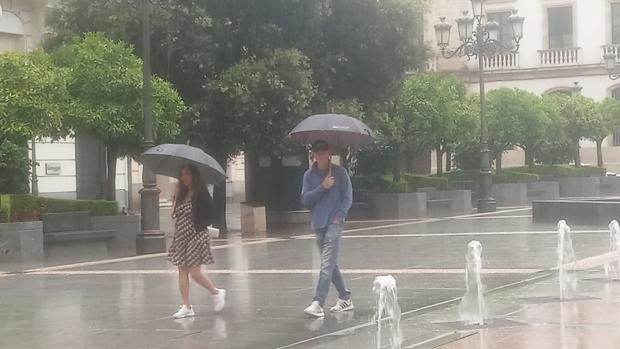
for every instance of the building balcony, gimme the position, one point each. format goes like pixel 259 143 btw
pixel 501 61
pixel 559 56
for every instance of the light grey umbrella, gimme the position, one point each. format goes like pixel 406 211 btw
pixel 167 160
pixel 336 129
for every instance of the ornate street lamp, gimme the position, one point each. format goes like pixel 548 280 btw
pixel 480 40
pixel 150 239
pixel 610 64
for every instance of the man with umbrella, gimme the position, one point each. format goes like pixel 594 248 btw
pixel 327 192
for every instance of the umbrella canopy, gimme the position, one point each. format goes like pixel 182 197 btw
pixel 167 160
pixel 336 129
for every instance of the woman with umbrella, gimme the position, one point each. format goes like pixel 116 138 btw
pixel 193 211
pixel 191 246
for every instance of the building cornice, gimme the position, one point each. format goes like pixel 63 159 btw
pixel 471 76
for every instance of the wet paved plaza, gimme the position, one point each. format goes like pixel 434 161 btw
pixel 127 302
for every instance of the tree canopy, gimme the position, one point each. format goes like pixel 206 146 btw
pixel 104 79
pixel 33 97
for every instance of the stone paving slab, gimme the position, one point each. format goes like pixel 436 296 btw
pixel 127 303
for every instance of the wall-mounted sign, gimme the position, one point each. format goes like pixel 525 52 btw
pixel 53 169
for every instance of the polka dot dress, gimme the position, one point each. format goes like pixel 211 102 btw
pixel 189 247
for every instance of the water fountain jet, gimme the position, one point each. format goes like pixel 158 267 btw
pixel 612 268
pixel 566 262
pixel 472 307
pixel 386 297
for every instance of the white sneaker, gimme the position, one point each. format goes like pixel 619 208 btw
pixel 219 301
pixel 341 306
pixel 184 312
pixel 314 309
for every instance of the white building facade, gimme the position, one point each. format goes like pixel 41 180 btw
pixel 563 43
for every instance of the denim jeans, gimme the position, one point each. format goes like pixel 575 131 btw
pixel 328 241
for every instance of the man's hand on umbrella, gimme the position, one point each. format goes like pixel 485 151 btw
pixel 328 182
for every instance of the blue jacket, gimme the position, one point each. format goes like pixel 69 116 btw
pixel 327 205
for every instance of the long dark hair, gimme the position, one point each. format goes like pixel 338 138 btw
pixel 202 203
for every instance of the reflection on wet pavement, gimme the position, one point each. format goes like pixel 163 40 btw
pixel 127 302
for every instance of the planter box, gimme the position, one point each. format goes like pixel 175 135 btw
pixel 253 219
pixel 543 191
pixel 582 212
pixel 399 205
pixel 580 187
pixel 362 206
pixel 457 201
pixel 20 242
pixel 127 229
pixel 510 194
pixel 609 186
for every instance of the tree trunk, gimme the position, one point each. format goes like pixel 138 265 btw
pixel 577 153
pixel 397 163
pixel 448 160
pixel 439 153
pixel 529 160
pixel 111 157
pixel 219 200
pixel 498 163
pixel 599 153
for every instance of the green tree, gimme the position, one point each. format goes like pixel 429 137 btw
pixel 369 46
pixel 580 114
pixel 438 108
pixel 105 82
pixel 356 49
pixel 397 128
pixel 255 103
pixel 531 120
pixel 504 109
pixel 15 168
pixel 33 97
pixel 555 148
pixel 606 120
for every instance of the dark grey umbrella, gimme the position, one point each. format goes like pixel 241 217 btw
pixel 336 129
pixel 167 160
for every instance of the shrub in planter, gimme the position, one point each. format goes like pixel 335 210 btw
pixel 515 177
pixel 379 184
pixel 414 182
pixel 20 208
pixel 563 171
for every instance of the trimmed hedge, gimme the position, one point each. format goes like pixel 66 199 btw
pixel 514 177
pixel 505 176
pixel 416 182
pixel 563 171
pixel 378 184
pixel 22 207
pixel 408 183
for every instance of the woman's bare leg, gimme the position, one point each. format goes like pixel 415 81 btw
pixel 184 284
pixel 203 280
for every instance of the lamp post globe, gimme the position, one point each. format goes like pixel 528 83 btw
pixel 442 32
pixel 610 62
pixel 478 8
pixel 516 25
pixel 465 26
